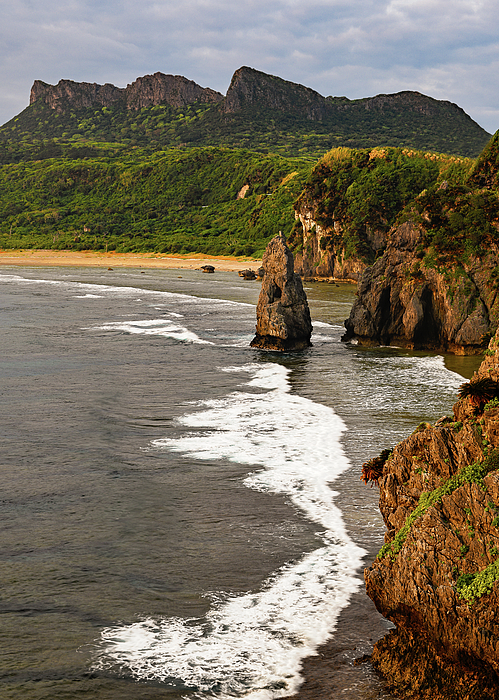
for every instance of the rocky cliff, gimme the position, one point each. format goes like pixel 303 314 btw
pixel 250 88
pixel 403 301
pixel 320 252
pixel 349 203
pixel 436 578
pixel 436 284
pixel 69 94
pixel 149 90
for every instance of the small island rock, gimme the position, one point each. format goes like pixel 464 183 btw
pixel 283 316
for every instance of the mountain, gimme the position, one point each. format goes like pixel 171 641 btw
pixel 173 90
pixel 259 111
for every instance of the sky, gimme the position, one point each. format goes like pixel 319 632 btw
pixel 357 48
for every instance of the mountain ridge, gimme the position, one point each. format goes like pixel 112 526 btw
pixel 259 111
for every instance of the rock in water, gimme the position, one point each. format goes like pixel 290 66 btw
pixel 282 314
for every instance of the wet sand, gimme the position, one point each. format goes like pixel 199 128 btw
pixel 69 258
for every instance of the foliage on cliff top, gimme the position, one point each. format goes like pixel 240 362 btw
pixel 170 201
pixel 459 220
pixel 366 190
pixel 486 171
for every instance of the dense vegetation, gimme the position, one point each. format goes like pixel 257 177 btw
pixel 174 201
pixel 155 179
pixel 367 190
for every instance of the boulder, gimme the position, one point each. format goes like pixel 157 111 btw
pixel 283 316
pixel 247 274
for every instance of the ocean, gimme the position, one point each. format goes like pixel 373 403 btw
pixel 182 515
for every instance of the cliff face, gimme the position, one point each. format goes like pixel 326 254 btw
pixel 401 301
pixel 68 93
pixel 252 88
pixel 317 258
pixel 435 286
pixel 436 576
pixel 173 90
pixel 159 88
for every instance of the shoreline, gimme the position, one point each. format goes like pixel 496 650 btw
pixel 91 258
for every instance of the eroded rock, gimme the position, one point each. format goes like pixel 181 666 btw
pixel 442 535
pixel 402 302
pixel 283 316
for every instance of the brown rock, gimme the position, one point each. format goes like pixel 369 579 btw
pixel 159 88
pixel 445 646
pixel 402 302
pixel 283 316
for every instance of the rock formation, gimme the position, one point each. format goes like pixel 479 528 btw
pixel 403 302
pixel 283 316
pixel 437 576
pixel 174 90
pixel 250 87
pixel 316 257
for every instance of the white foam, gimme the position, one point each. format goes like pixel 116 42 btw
pixel 252 645
pixel 412 373
pixel 117 291
pixel 161 326
pixel 89 296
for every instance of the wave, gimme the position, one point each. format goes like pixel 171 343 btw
pixel 96 291
pixel 252 645
pixel 161 326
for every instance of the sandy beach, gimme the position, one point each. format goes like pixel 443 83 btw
pixel 90 258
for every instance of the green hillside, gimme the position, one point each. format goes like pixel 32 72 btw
pixel 158 165
pixel 174 201
pixel 161 126
pixel 367 191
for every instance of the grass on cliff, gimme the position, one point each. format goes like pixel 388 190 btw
pixel 367 190
pixel 471 587
pixel 471 473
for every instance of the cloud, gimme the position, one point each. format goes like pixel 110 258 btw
pixel 358 48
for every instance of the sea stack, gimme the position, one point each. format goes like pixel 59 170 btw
pixel 282 314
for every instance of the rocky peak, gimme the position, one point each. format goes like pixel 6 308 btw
pixel 174 90
pixel 251 88
pixel 68 94
pixel 283 316
pixel 159 88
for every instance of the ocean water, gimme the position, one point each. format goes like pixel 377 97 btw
pixel 182 515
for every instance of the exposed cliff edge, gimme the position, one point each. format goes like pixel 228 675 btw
pixel 283 316
pixel 437 576
pixel 174 90
pixel 403 301
pixel 436 284
pixel 352 200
